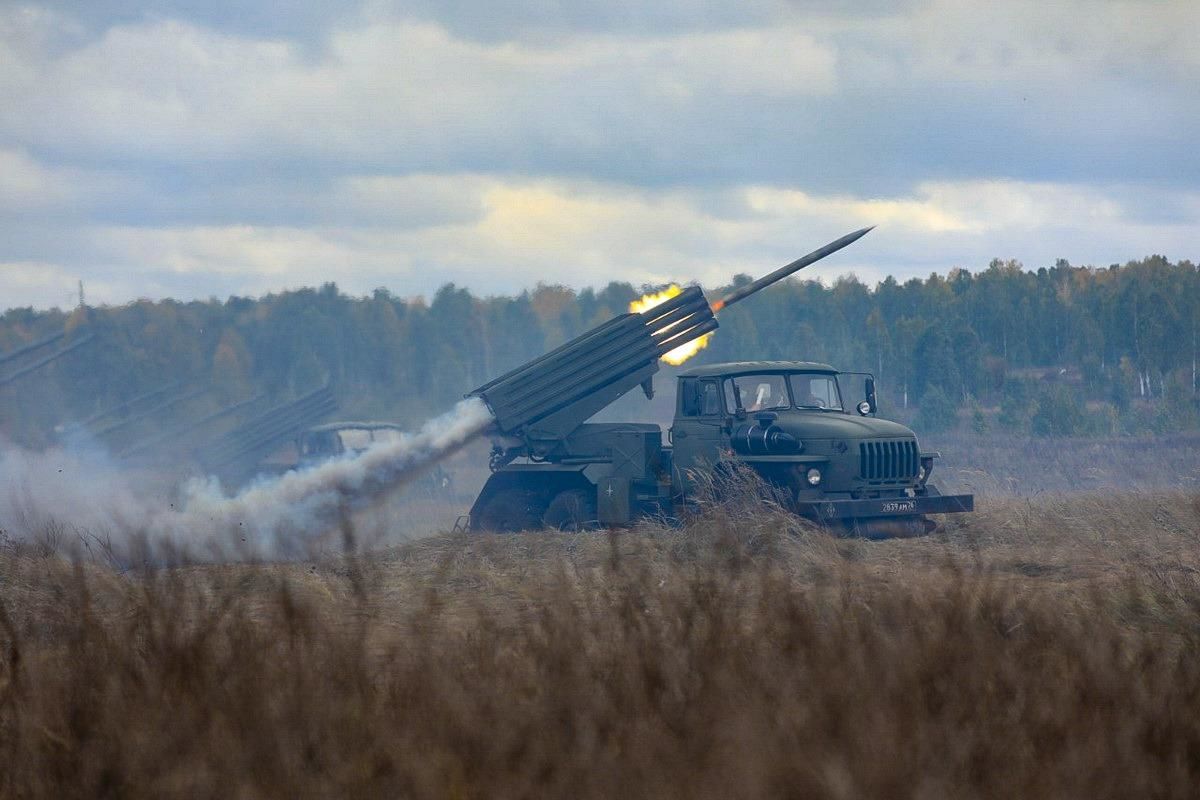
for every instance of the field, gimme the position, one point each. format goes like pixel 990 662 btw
pixel 1045 646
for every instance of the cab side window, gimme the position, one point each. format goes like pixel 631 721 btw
pixel 689 397
pixel 700 398
pixel 710 398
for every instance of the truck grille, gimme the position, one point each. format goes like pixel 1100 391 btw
pixel 888 462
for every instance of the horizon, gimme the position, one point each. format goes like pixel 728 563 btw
pixel 826 282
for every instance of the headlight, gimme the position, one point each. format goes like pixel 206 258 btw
pixel 814 476
pixel 921 474
pixel 864 408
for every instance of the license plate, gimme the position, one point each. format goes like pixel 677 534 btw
pixel 899 506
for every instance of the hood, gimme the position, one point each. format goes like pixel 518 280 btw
pixel 836 425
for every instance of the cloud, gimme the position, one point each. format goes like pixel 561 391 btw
pixel 857 101
pixel 23 181
pixel 194 149
pixel 1121 39
pixel 498 235
pixel 29 187
pixel 403 93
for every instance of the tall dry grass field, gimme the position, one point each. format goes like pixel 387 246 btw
pixel 1040 648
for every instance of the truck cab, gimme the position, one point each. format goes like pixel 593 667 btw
pixel 804 428
pixel 320 443
pixel 335 439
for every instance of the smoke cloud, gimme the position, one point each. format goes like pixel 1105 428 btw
pixel 81 497
pixel 67 494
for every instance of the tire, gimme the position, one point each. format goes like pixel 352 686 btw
pixel 572 510
pixel 509 511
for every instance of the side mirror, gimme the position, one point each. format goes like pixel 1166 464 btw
pixel 870 389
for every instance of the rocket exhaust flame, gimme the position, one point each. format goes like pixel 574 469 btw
pixel 685 351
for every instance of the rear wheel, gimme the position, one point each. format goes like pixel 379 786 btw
pixel 572 510
pixel 510 510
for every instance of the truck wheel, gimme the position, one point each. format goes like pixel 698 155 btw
pixel 572 510
pixel 509 511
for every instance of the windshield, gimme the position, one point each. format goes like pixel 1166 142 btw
pixel 355 438
pixel 769 391
pixel 757 392
pixel 816 390
pixel 321 443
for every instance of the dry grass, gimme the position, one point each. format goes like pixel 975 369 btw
pixel 1044 647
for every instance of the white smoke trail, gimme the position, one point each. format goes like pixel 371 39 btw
pixel 86 495
pixel 272 514
pixel 66 494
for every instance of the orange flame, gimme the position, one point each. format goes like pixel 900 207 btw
pixel 684 351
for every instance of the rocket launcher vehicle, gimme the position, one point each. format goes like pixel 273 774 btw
pixel 787 421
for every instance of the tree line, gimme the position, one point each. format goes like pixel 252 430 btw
pixel 1056 350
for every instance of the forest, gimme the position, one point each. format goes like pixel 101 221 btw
pixel 1057 351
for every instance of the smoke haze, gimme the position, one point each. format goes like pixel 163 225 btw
pixel 279 517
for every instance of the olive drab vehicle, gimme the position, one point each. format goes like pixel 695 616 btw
pixel 320 443
pixel 799 425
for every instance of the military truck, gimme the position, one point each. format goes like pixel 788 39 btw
pixel 333 439
pixel 791 422
pixel 832 459
pixel 321 443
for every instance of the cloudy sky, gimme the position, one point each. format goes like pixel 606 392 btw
pixel 196 148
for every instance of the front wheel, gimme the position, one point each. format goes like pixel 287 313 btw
pixel 572 510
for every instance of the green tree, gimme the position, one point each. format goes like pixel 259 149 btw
pixel 935 364
pixel 1058 412
pixel 937 412
pixel 1017 407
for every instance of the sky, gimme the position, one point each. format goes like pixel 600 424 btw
pixel 203 148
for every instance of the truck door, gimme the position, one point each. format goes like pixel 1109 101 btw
pixel 698 433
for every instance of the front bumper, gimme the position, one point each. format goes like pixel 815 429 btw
pixel 829 510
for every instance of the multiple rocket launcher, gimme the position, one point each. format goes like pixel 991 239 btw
pixel 542 401
pixel 15 356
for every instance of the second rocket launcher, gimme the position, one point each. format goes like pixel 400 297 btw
pixel 547 398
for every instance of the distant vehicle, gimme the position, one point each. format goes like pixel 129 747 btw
pixel 321 443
